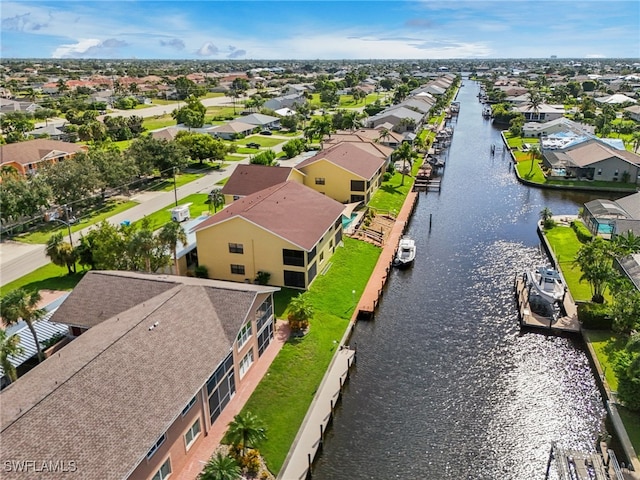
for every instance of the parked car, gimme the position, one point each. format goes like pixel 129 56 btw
pixel 266 132
pixel 253 145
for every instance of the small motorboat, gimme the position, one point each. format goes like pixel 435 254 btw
pixel 546 283
pixel 406 253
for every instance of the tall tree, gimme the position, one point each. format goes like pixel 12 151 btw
pixel 61 253
pixel 9 347
pixel 171 234
pixel 19 305
pixel 202 146
pixel 216 198
pixel 595 261
pixel 403 153
pixel 150 153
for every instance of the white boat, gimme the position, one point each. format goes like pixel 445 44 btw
pixel 406 252
pixel 546 283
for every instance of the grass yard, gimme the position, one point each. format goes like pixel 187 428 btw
pixel 526 172
pixel 391 194
pixel 163 216
pixel 282 398
pixel 43 234
pixel 222 181
pixel 123 144
pixel 565 245
pixel 48 277
pixel 234 158
pixel 262 140
pixel 347 101
pixel 517 142
pixel 160 121
pixel 607 345
pixel 222 112
pixel 166 184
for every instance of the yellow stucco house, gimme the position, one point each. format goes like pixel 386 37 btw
pixel 287 230
pixel 248 179
pixel 345 172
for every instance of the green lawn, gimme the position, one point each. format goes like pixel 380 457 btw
pixel 391 195
pixel 49 277
pixel 517 142
pixel 222 181
pixel 606 346
pixel 347 101
pixel 43 234
pixel 235 158
pixel 166 184
pixel 282 398
pixel 158 101
pixel 250 151
pixel 163 216
pixel 565 245
pixel 525 171
pixel 223 112
pixel 160 121
pixel 123 144
pixel 262 140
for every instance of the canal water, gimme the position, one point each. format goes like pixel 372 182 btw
pixel 446 386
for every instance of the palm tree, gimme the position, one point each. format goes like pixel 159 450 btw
pixel 534 153
pixel 404 153
pixel 170 235
pixel 546 215
pixel 594 259
pixel 626 244
pixel 636 141
pixel 61 253
pixel 220 467
pixel 20 304
pixel 385 134
pixel 300 312
pixel 9 347
pixel 246 430
pixel 216 199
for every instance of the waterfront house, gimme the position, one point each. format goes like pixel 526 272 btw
pixel 261 120
pixel 136 393
pixel 608 218
pixel 346 172
pixel 288 231
pixel 248 179
pixel 593 159
pixel 27 157
pixel 542 113
pixel 559 125
pixel 402 118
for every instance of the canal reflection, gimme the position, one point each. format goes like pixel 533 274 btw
pixel 446 386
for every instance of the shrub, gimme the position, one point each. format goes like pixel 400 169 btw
pixel 387 176
pixel 262 278
pixel 202 272
pixel 594 316
pixel 582 232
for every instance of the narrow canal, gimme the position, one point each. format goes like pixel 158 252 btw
pixel 446 386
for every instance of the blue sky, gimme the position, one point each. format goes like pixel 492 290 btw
pixel 299 29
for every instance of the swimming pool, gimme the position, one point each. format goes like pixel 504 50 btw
pixel 346 221
pixel 605 228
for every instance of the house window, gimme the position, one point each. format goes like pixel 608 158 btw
pixel 220 387
pixel 236 197
pixel 322 256
pixel 357 185
pixel 357 198
pixel 236 248
pixel 312 272
pixel 164 472
pixel 156 446
pixel 615 174
pixel 338 236
pixel 320 180
pixel 244 335
pixel 293 257
pixel 599 171
pixel 246 363
pixel 237 269
pixel 294 279
pixel 263 313
pixel 188 407
pixel 192 434
pixel 311 255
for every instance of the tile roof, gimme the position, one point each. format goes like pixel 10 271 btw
pixel 289 210
pixel 248 179
pixel 105 398
pixel 349 156
pixel 33 151
pixel 590 152
pixel 232 127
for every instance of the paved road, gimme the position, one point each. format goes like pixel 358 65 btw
pixel 18 259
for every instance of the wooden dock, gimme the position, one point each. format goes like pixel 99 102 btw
pixel 576 465
pixel 528 319
pixel 373 291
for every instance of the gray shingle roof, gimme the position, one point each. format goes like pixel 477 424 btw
pixel 104 399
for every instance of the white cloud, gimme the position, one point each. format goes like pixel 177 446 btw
pixel 208 49
pixel 75 49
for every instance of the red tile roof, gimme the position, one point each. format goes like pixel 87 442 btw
pixel 248 179
pixel 350 157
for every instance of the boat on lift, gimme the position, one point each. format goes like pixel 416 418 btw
pixel 406 253
pixel 546 283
